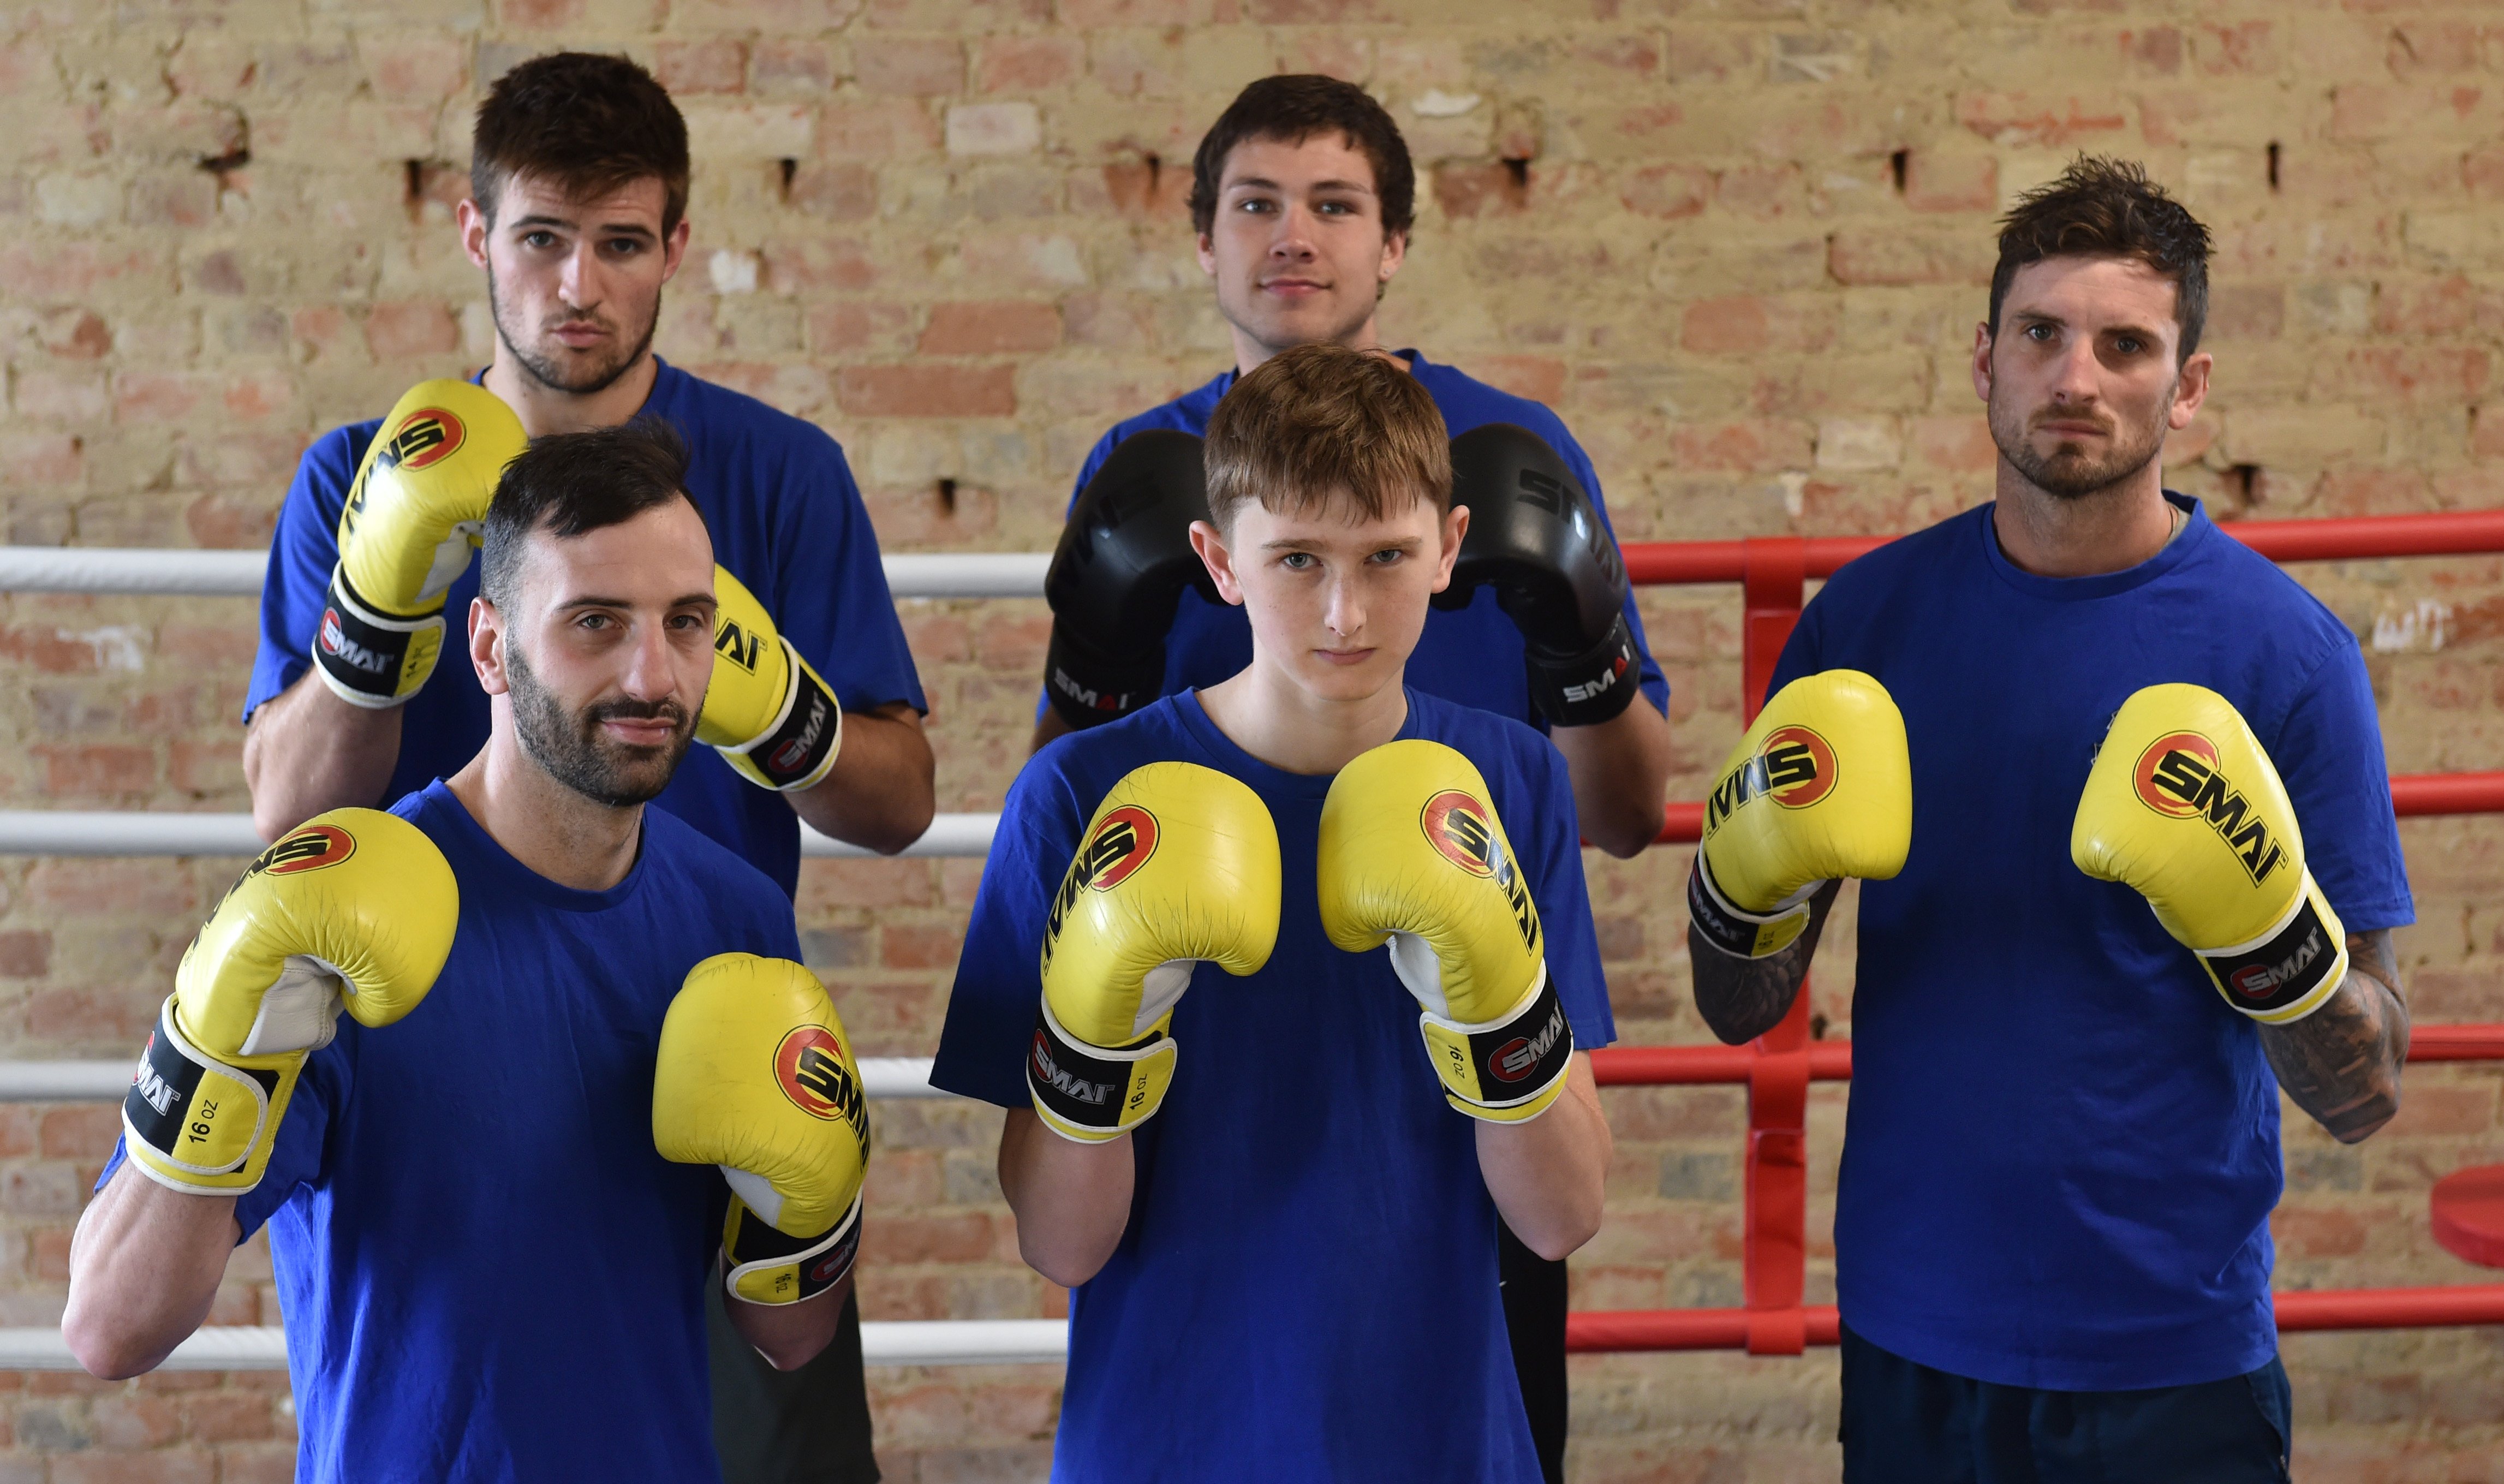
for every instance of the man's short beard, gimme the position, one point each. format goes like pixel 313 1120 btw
pixel 551 374
pixel 575 751
pixel 2069 474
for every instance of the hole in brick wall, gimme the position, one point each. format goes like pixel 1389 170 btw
pixel 1519 170
pixel 1817 1025
pixel 223 165
pixel 1156 166
pixel 2273 164
pixel 413 181
pixel 2244 479
pixel 947 493
pixel 1896 164
pixel 790 168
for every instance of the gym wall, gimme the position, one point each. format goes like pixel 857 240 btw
pixel 1741 246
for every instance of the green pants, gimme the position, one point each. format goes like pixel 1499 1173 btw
pixel 809 1426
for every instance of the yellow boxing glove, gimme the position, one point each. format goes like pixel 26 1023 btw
pixel 755 1074
pixel 767 711
pixel 1179 865
pixel 2184 807
pixel 1820 787
pixel 1412 855
pixel 405 535
pixel 354 905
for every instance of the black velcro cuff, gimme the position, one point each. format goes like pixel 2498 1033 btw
pixel 1735 931
pixel 2289 972
pixel 799 749
pixel 763 1265
pixel 1089 686
pixel 366 659
pixel 1092 1093
pixel 1586 689
pixel 1506 1064
pixel 194 1121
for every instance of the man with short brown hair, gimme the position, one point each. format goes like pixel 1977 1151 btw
pixel 2052 1244
pixel 578 219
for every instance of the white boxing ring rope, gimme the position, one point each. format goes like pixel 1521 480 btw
pixel 105 832
pixel 175 573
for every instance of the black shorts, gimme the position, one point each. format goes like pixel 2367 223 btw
pixel 809 1426
pixel 1534 1319
pixel 1905 1422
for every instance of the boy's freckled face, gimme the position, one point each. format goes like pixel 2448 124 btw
pixel 1339 603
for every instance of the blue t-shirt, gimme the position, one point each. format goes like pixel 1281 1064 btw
pixel 786 521
pixel 489 1274
pixel 2063 1143
pixel 1307 1289
pixel 1472 655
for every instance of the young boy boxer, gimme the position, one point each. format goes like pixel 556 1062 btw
pixel 1277 1208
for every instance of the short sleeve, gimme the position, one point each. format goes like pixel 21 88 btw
pixel 992 1010
pixel 303 551
pixel 303 1136
pixel 2329 752
pixel 829 594
pixel 1800 652
pixel 1564 899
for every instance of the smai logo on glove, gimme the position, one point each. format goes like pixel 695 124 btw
pixel 1795 768
pixel 309 848
pixel 809 1067
pixel 2177 777
pixel 1121 844
pixel 1462 831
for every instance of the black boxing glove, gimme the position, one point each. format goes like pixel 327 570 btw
pixel 1537 538
pixel 1121 567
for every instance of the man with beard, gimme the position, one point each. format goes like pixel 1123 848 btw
pixel 491 1258
pixel 578 188
pixel 2052 1225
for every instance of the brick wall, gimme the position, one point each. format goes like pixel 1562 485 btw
pixel 1738 244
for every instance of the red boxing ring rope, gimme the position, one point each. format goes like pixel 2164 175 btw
pixel 1778 1067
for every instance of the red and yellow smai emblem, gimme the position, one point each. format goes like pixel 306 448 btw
pixel 2171 773
pixel 1121 844
pixel 809 1068
pixel 427 437
pixel 309 848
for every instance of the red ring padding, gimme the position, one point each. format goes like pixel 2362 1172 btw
pixel 2469 1214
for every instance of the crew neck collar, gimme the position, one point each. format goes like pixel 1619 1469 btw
pixel 1265 779
pixel 505 876
pixel 2196 535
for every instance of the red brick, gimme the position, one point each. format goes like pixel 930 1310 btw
pixel 417 68
pixel 30 461
pixel 838 192
pixel 991 328
pixel 1752 326
pixel 409 329
pixel 2248 48
pixel 81 1132
pixel 94 770
pixel 186 200
pixel 905 67
pixel 154 1466
pixel 2313 1231
pixel 920 945
pixel 1759 447
pixel 1944 181
pixel 27 954
pixel 1467 190
pixel 876 128
pixel 1904 255
pixel 147 396
pixel 91 1017
pixel 818 262
pixel 1667 192
pixel 2481 172
pixel 50 1189
pixel 927 391
pixel 850 325
pixel 900 1238
pixel 1027 63
pixel 2044 119
pixel 224 1417
pixel 75 270
pixel 1959 443
pixel 715 65
pixel 63 395
pixel 77 335
pixel 791 65
pixel 2439 374
pixel 103 887
pixel 1157 191
pixel 135 1421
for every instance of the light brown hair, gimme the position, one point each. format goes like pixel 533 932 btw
pixel 1322 425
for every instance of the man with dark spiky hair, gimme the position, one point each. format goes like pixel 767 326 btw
pixel 2052 1240
pixel 577 216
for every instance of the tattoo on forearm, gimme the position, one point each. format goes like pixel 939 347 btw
pixel 2342 1063
pixel 1743 998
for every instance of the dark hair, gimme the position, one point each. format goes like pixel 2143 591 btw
pixel 1321 424
pixel 590 124
pixel 570 483
pixel 1295 107
pixel 2109 208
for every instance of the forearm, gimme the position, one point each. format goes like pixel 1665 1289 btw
pixel 1743 998
pixel 789 1335
pixel 1548 1175
pixel 144 1268
pixel 307 751
pixel 1072 1200
pixel 2342 1063
pixel 1620 772
pixel 879 794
